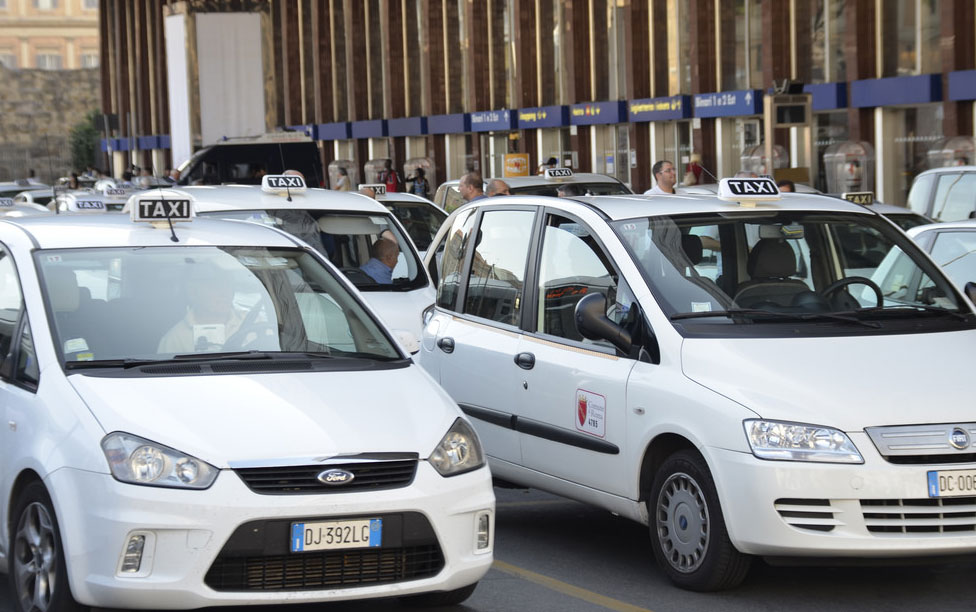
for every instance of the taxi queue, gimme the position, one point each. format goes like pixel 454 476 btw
pixel 622 355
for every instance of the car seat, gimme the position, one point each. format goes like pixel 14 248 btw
pixel 770 265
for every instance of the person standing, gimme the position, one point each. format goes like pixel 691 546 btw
pixel 786 185
pixel 664 178
pixel 343 183
pixel 471 187
pixel 497 187
pixel 389 177
pixel 420 186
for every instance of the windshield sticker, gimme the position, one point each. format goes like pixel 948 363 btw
pixel 591 413
pixel 75 345
pixel 54 259
pixel 701 307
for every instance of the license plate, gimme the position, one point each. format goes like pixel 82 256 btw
pixel 955 483
pixel 335 535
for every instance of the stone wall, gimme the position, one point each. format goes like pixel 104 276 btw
pixel 38 108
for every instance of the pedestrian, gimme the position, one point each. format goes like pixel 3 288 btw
pixel 471 187
pixel 389 176
pixel 786 185
pixel 693 172
pixel 664 178
pixel 343 183
pixel 420 186
pixel 552 162
pixel 369 192
pixel 497 187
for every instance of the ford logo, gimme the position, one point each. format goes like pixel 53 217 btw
pixel 336 477
pixel 959 438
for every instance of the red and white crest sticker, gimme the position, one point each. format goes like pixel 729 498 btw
pixel 591 413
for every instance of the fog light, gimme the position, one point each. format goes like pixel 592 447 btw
pixel 132 559
pixel 483 539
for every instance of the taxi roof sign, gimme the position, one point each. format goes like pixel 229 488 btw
pixel 282 183
pixel 748 191
pixel 552 173
pixel 160 206
pixel 859 197
pixel 379 188
pixel 6 202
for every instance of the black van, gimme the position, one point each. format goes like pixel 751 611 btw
pixel 246 160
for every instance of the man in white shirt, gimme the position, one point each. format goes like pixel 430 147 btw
pixel 664 178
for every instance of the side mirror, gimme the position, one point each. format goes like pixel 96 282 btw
pixel 592 322
pixel 971 291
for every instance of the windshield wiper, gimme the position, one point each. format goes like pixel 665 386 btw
pixel 112 363
pixel 759 313
pixel 901 308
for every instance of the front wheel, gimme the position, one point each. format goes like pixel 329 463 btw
pixel 38 574
pixel 688 532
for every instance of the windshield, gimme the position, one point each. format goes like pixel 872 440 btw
pixel 420 219
pixel 369 248
pixel 549 189
pixel 154 303
pixel 748 268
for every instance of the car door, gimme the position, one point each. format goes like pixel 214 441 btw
pixel 471 341
pixel 573 415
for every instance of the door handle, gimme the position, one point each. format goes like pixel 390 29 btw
pixel 446 344
pixel 526 361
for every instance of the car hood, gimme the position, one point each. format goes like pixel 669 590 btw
pixel 224 419
pixel 849 383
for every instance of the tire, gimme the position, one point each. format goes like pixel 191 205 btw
pixel 688 534
pixel 439 598
pixel 38 574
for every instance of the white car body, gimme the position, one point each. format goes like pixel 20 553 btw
pixel 448 197
pixel 400 309
pixel 596 423
pixel 273 420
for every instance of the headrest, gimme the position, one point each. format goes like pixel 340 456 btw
pixel 771 258
pixel 692 246
pixel 62 289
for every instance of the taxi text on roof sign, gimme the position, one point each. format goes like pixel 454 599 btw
pixel 162 209
pixel 6 202
pixel 89 205
pixel 859 197
pixel 748 189
pixel 379 188
pixel 558 173
pixel 282 183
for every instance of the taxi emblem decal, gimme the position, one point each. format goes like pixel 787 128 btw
pixel 959 439
pixel 335 477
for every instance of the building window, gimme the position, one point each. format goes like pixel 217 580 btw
pixel 679 47
pixel 90 5
pixel 48 61
pixel 9 60
pixel 910 35
pixel 89 60
pixel 46 5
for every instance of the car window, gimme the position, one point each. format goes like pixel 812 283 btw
pixel 956 253
pixel 918 197
pixel 27 370
pixel 497 275
pixel 572 264
pixel 158 302
pixel 420 219
pixel 450 257
pixel 11 303
pixel 955 197
pixel 584 189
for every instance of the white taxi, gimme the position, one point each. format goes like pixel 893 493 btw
pixel 722 369
pixel 203 412
pixel 419 216
pixel 583 183
pixel 344 227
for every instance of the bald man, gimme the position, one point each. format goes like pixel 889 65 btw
pixel 497 187
pixel 383 258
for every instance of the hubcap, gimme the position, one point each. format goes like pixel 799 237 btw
pixel 34 554
pixel 682 522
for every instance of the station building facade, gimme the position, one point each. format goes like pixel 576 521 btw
pixel 605 86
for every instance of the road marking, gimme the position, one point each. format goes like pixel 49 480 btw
pixel 566 589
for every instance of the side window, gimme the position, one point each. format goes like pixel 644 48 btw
pixel 494 289
pixel 918 197
pixel 11 303
pixel 449 259
pixel 955 252
pixel 955 197
pixel 27 370
pixel 572 265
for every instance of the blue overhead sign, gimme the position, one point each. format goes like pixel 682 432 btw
pixel 493 121
pixel 728 103
pixel 458 123
pixel 659 109
pixel 827 96
pixel 374 128
pixel 543 117
pixel 593 113
pixel 962 85
pixel 334 131
pixel 920 89
pixel 407 126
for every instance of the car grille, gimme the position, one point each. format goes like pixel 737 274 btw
pixel 950 515
pixel 303 479
pixel 326 570
pixel 809 514
pixel 925 444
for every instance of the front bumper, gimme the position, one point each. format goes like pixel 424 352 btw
pixel 877 509
pixel 186 532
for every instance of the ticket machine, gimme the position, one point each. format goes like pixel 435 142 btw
pixel 849 166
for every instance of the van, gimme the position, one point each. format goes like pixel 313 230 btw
pixel 246 160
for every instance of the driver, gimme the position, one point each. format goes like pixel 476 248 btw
pixel 383 259
pixel 211 317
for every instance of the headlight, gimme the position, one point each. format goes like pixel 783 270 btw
pixel 139 461
pixel 459 451
pixel 798 442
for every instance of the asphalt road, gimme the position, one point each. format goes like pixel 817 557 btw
pixel 554 555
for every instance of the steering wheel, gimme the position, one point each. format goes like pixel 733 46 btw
pixel 241 339
pixel 854 280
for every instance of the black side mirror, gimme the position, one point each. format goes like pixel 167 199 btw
pixel 592 322
pixel 971 291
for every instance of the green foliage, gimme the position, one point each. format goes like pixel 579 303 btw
pixel 84 142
